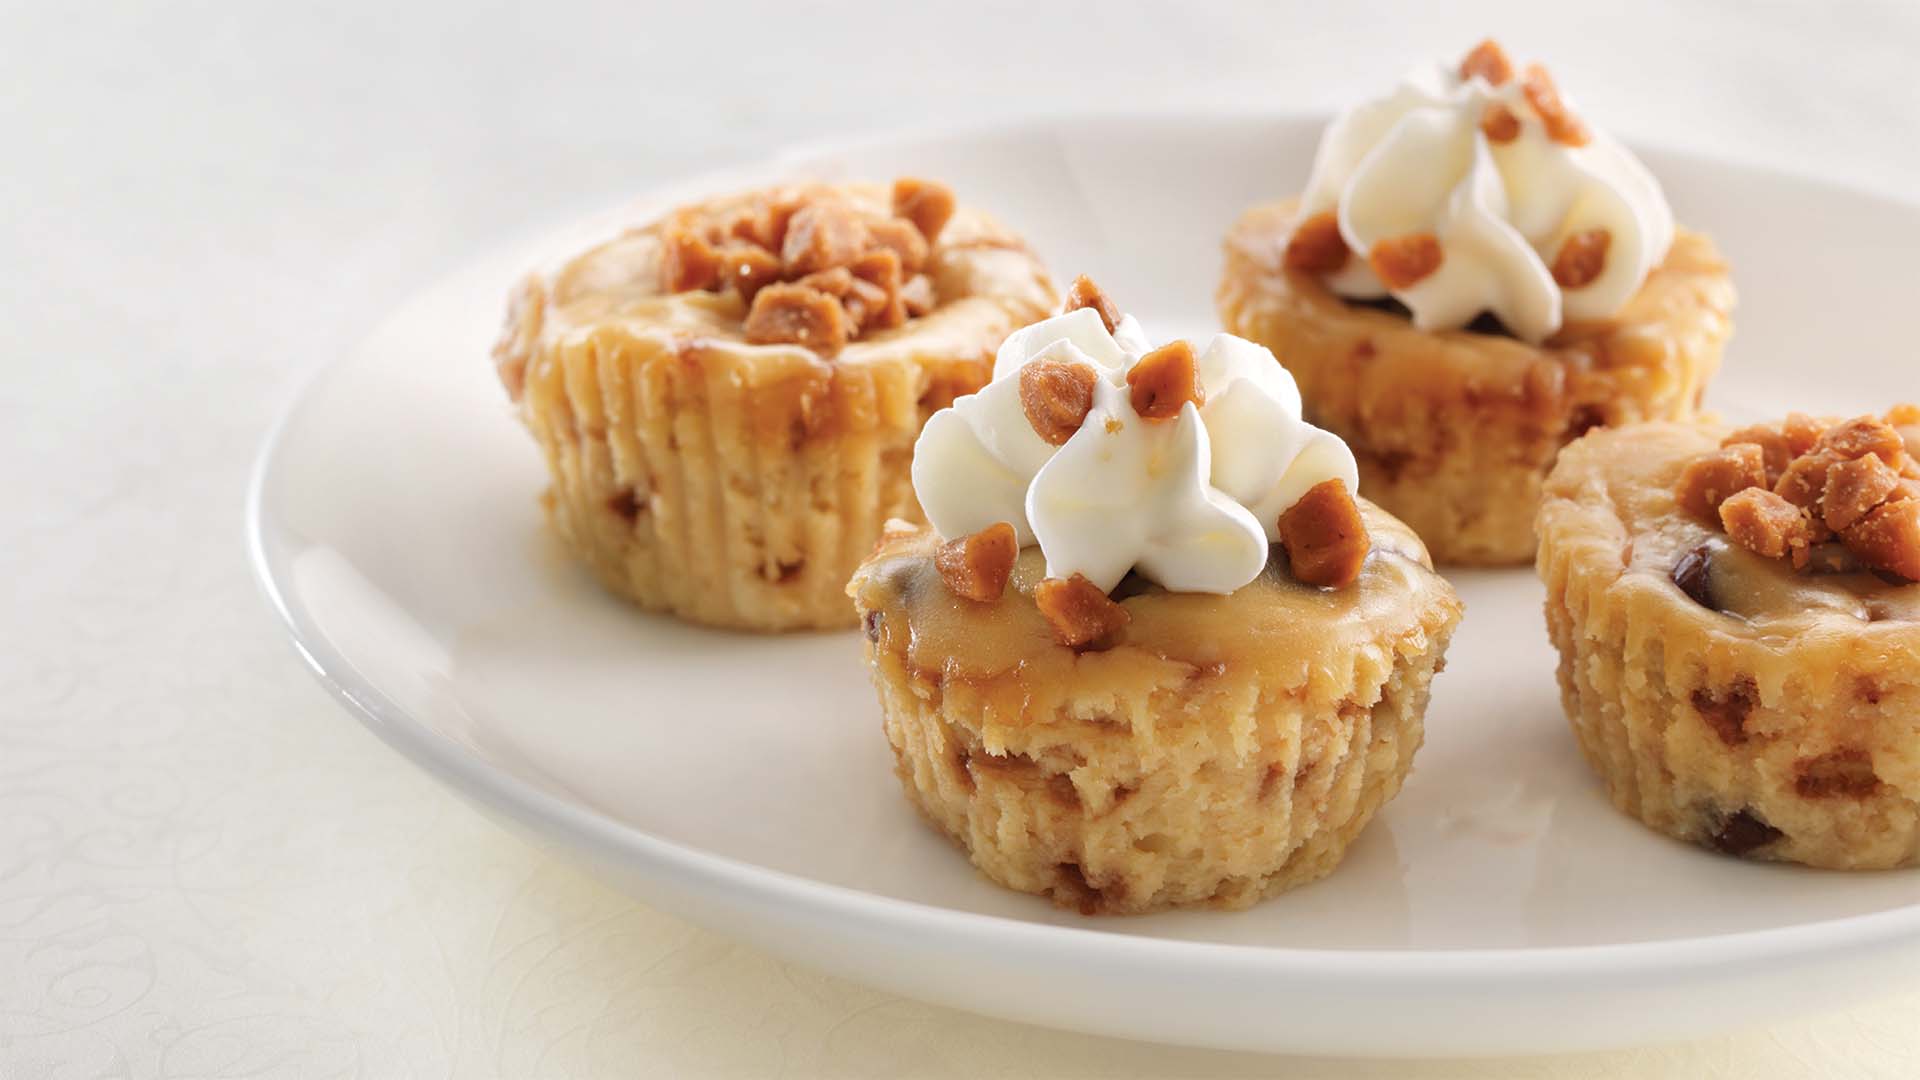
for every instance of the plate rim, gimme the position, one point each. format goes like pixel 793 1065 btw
pixel 572 825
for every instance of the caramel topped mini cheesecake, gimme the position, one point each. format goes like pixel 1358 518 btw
pixel 1473 277
pixel 1739 626
pixel 1152 651
pixel 728 397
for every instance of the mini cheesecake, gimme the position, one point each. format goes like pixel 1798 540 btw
pixel 1738 623
pixel 1472 279
pixel 727 398
pixel 1101 672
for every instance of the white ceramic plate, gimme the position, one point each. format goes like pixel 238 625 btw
pixel 1498 906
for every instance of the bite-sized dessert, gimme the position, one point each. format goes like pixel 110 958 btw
pixel 1738 622
pixel 1152 650
pixel 728 396
pixel 1473 278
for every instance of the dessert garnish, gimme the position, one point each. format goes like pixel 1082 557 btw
pixel 812 268
pixel 1476 188
pixel 1182 465
pixel 1824 497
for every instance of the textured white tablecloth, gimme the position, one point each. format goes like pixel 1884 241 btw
pixel 206 868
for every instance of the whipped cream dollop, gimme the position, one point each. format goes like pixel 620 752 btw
pixel 1538 219
pixel 1191 501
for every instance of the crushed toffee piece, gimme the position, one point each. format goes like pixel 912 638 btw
pixel 1766 524
pixel 1163 381
pixel 688 262
pixel 1085 294
pixel 793 314
pixel 1080 615
pixel 1889 539
pixel 823 234
pixel 1854 489
pixel 1498 123
pixel 1780 444
pixel 904 239
pixel 1562 125
pixel 747 270
pixel 1316 246
pixel 977 567
pixel 1489 61
pixel 1325 539
pixel 872 267
pixel 1056 395
pixel 1787 490
pixel 929 205
pixel 1712 479
pixel 1582 258
pixel 1403 261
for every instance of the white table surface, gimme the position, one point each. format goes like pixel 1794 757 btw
pixel 206 868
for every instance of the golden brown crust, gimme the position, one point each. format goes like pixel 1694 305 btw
pixel 1725 698
pixel 1222 750
pixel 1455 430
pixel 738 484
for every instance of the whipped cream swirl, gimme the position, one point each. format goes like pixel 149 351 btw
pixel 1192 501
pixel 1496 167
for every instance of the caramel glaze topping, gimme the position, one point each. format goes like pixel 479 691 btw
pixel 1275 622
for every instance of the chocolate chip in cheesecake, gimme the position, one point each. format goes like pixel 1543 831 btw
pixel 1742 833
pixel 1693 574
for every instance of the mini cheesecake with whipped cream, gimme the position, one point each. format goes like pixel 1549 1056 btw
pixel 1474 277
pixel 1152 650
